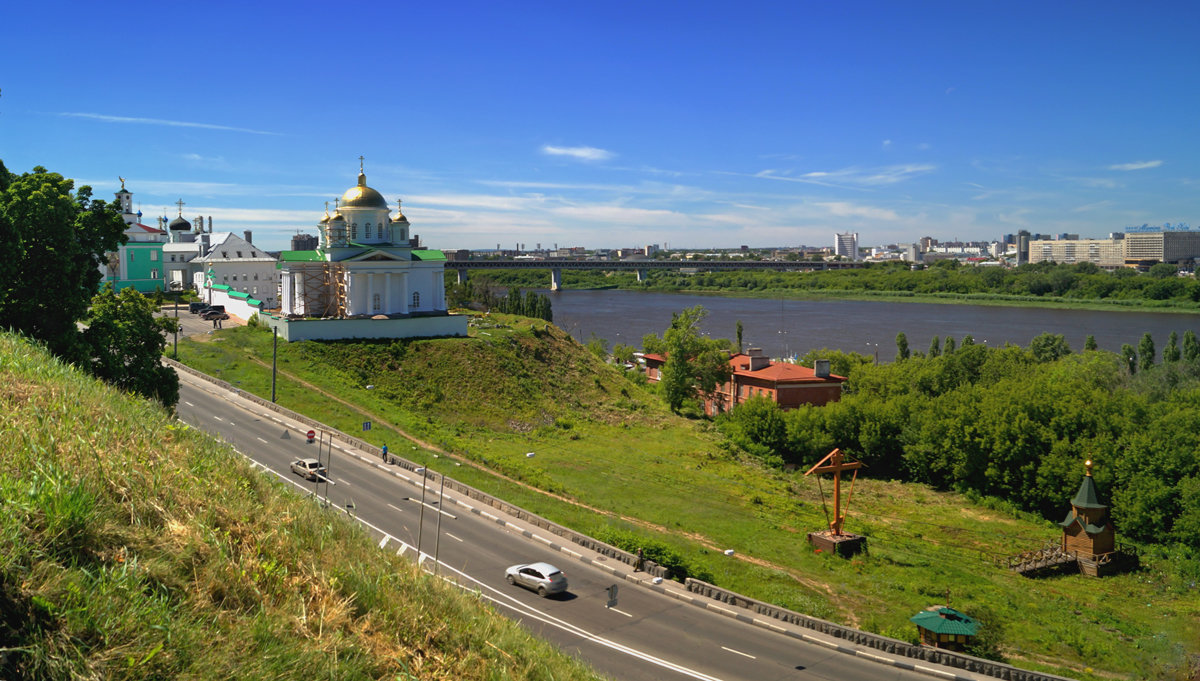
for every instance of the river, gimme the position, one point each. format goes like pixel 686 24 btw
pixel 787 327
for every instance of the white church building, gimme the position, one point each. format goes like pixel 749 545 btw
pixel 367 278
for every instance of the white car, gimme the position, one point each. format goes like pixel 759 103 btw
pixel 543 578
pixel 309 468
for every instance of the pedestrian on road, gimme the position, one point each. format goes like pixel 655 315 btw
pixel 385 454
pixel 640 560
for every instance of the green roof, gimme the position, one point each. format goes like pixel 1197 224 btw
pixel 300 256
pixel 946 621
pixel 1086 496
pixel 1087 527
pixel 252 301
pixel 424 254
pixel 220 287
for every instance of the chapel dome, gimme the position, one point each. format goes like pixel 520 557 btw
pixel 180 224
pixel 362 196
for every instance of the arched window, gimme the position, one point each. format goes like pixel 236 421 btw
pixel 376 303
pixel 367 229
pixel 353 230
pixel 416 299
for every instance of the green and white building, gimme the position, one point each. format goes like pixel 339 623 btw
pixel 138 263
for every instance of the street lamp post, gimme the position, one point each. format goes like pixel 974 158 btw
pixel 175 288
pixel 876 351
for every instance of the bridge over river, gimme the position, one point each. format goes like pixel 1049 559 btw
pixel 556 266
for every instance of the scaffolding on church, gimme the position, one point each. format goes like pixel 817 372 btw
pixel 335 283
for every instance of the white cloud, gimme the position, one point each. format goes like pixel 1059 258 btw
pixel 887 143
pixel 844 209
pixel 1136 165
pixel 868 177
pixel 581 153
pixel 159 121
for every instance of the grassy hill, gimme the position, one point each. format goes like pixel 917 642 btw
pixel 133 547
pixel 612 462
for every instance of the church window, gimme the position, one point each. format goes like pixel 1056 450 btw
pixel 416 299
pixel 367 229
pixel 154 274
pixel 376 302
pixel 353 230
pixel 239 254
pixel 256 276
pixel 225 277
pixel 153 256
pixel 235 277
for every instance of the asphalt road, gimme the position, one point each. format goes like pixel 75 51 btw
pixel 647 636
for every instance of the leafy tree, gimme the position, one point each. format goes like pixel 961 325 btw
pixel 1047 347
pixel 1163 270
pixel 948 347
pixel 1129 357
pixel 1145 352
pixel 902 351
pixel 126 341
pixel 1191 347
pixel 935 348
pixel 758 426
pixel 693 362
pixel 55 242
pixel 1171 352
pixel 1090 342
pixel 738 328
pixel 598 346
pixel 623 354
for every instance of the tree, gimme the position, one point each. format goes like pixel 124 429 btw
pixel 1129 356
pixel 1090 342
pixel 1171 352
pixel 935 348
pixel 1047 347
pixel 1145 352
pixel 738 328
pixel 1163 270
pixel 902 351
pixel 758 426
pixel 55 242
pixel 693 361
pixel 1191 347
pixel 125 341
pixel 948 347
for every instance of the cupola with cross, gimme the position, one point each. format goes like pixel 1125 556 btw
pixel 1087 530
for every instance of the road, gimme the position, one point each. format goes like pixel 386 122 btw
pixel 647 636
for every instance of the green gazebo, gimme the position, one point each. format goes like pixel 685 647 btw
pixel 944 627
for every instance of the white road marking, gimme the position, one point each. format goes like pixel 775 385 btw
pixel 622 612
pixel 395 509
pixel 738 652
pixel 188 403
pixel 451 536
pixel 262 441
pixel 219 418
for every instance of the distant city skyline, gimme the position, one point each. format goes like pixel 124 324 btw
pixel 621 124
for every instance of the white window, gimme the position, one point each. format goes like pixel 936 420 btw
pixel 154 274
pixel 153 256
pixel 376 302
pixel 255 290
pixel 416 299
pixel 367 228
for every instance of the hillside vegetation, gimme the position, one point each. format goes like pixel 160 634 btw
pixel 132 547
pixel 610 460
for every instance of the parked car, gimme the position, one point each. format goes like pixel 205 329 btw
pixel 210 315
pixel 197 307
pixel 543 578
pixel 309 468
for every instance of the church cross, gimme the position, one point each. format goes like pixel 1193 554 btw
pixel 360 165
pixel 835 462
pixel 180 204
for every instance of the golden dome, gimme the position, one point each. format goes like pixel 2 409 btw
pixel 362 196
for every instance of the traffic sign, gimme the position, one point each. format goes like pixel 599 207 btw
pixel 366 425
pixel 311 434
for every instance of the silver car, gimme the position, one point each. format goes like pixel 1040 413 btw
pixel 309 468
pixel 543 578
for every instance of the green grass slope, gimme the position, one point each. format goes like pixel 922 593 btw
pixel 132 547
pixel 610 461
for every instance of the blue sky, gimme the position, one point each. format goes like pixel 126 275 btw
pixel 692 124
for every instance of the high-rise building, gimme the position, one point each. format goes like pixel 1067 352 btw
pixel 846 245
pixel 304 242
